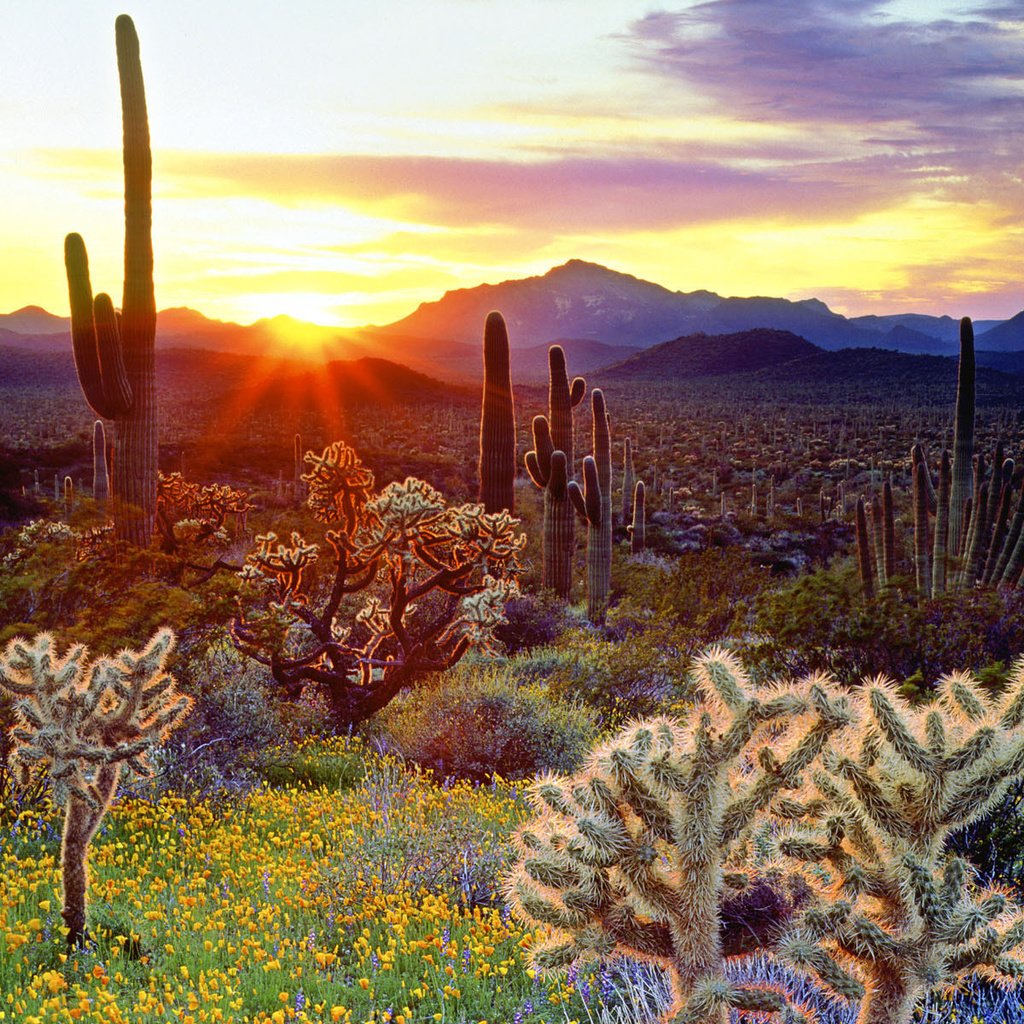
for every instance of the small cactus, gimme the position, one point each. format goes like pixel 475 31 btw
pixel 82 720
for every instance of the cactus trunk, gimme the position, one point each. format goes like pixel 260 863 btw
pixel 100 488
pixel 864 565
pixel 638 529
pixel 963 438
pixel 497 421
pixel 941 544
pixel 628 482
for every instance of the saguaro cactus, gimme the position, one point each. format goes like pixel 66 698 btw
pixel 547 469
pixel 865 564
pixel 594 504
pixel 898 914
pixel 497 421
pixel 638 528
pixel 100 483
pixel 83 720
pixel 552 434
pixel 963 437
pixel 114 355
pixel 638 852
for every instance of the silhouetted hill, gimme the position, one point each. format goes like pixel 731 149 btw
pixel 878 375
pixel 1005 337
pixel 703 355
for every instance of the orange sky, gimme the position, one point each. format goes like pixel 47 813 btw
pixel 343 162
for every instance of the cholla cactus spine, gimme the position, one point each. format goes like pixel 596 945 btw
pixel 82 720
pixel 629 855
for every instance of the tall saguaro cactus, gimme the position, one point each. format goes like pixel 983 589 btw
pixel 628 479
pixel 114 355
pixel 963 437
pixel 638 528
pixel 497 421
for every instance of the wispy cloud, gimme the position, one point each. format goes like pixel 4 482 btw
pixel 946 93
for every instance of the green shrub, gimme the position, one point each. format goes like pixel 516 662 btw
pixel 478 721
pixel 821 622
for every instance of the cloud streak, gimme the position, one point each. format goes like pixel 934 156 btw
pixel 949 93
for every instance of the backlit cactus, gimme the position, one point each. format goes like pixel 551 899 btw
pixel 434 580
pixel 82 720
pixel 497 421
pixel 897 914
pixel 638 852
pixel 114 354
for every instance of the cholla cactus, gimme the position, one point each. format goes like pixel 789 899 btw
pixel 637 853
pixel 82 720
pixel 434 581
pixel 899 915
pixel 186 511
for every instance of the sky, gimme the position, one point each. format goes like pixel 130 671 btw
pixel 341 162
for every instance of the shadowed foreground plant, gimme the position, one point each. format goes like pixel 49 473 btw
pixel 640 852
pixel 898 915
pixel 82 720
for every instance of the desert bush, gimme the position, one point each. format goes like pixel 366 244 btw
pixel 480 720
pixel 707 593
pixel 417 837
pixel 531 620
pixel 821 622
pixel 644 674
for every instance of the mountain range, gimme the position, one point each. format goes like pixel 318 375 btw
pixel 600 316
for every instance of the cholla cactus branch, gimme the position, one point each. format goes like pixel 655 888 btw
pixel 630 855
pixel 81 721
pixel 911 917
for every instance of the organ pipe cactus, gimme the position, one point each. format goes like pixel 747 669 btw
pixel 114 354
pixel 897 914
pixel 963 437
pixel 82 720
pixel 554 433
pixel 497 421
pixel 638 853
